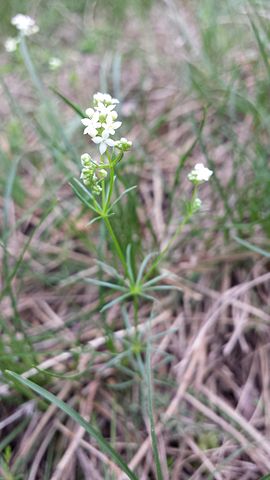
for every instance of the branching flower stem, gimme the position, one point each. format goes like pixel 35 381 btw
pixel 179 229
pixel 106 200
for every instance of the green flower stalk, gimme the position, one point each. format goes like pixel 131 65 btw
pixel 98 178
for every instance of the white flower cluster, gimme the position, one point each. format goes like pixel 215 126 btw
pixel 25 24
pixel 11 44
pixel 101 123
pixel 199 174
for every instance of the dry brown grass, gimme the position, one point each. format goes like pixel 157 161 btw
pixel 212 398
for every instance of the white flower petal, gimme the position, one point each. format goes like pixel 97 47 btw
pixel 110 142
pixel 102 148
pixel 97 140
pixel 85 121
pixel 105 134
pixel 90 112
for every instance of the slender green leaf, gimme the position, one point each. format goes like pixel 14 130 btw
pixel 68 102
pixel 101 283
pixel 104 445
pixel 252 247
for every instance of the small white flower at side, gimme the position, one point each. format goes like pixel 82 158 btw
pixel 25 24
pixel 199 174
pixel 104 141
pixel 11 44
pixel 123 144
pixel 55 63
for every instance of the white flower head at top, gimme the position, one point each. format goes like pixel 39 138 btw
pixel 25 24
pixel 199 174
pixel 101 123
pixel 104 99
pixel 11 44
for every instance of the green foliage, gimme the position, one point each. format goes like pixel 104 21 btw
pixel 105 446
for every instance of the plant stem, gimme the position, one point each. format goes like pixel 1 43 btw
pixel 136 309
pixel 180 227
pixel 116 243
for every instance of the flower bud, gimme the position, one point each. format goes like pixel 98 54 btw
pixel 123 144
pixel 86 160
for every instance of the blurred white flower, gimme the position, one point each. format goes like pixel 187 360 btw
pixel 55 63
pixel 103 141
pixel 199 174
pixel 25 24
pixel 11 44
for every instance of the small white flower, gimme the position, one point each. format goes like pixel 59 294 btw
pixel 123 144
pixel 90 112
pixel 11 44
pixel 92 124
pixel 110 125
pixel 104 109
pixel 103 141
pixel 199 174
pixel 55 63
pixel 25 24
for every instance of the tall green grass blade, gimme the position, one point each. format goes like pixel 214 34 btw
pixel 104 445
pixel 151 412
pixel 252 247
pixel 68 102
